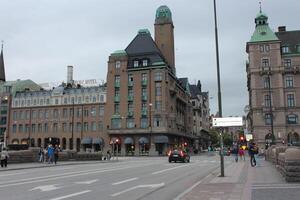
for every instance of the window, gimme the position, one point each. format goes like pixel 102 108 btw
pixel 116 123
pixel 34 114
pixel 65 113
pixel 100 126
pixel 71 127
pixel 94 127
pixel 145 62
pixel 158 76
pixel 157 121
pixel 130 123
pixel 55 113
pixel 267 100
pixel 135 63
pixel 79 99
pixel 261 47
pixel 158 105
pixel 101 110
pixel 20 128
pixel 85 126
pixel 48 101
pixel 14 128
pixel 265 62
pixel 285 49
pixel 117 108
pixel 78 127
pixel 287 63
pixel 64 127
pixel 27 128
pixel 40 129
pixel 93 111
pixel 268 119
pixel 33 128
pixel 144 77
pixel 130 92
pixel 118 64
pixel 65 100
pixel 41 114
pixel 130 78
pixel 292 119
pixel 290 100
pixel 21 115
pixel 144 122
pixel 94 99
pixel 55 128
pixel 46 114
pixel 45 128
pixel 101 98
pixel 56 101
pixel 158 89
pixel 144 106
pixel 79 112
pixel 86 112
pixel 267 48
pixel 15 115
pixel 267 83
pixel 289 81
pixel 27 114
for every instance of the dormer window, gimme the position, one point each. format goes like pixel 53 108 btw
pixel 285 49
pixel 145 62
pixel 118 64
pixel 135 63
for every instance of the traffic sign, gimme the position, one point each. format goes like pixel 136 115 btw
pixel 227 121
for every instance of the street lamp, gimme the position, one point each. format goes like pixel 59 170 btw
pixel 219 89
pixel 270 109
pixel 71 147
pixel 150 125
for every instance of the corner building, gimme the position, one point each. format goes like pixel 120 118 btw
pixel 273 84
pixel 148 109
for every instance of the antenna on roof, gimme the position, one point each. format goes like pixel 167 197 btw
pixel 260 6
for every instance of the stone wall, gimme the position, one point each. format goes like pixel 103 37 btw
pixel 31 155
pixel 287 161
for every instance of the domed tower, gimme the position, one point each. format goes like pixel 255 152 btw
pixel 164 34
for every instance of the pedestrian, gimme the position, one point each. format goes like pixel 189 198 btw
pixel 41 155
pixel 4 157
pixel 108 155
pixel 252 151
pixel 50 154
pixel 242 153
pixel 56 150
pixel 235 151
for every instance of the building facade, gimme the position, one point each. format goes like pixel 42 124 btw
pixel 148 110
pixel 273 84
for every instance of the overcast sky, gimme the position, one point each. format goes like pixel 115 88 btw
pixel 42 37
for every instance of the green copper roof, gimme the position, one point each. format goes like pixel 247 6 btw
pixel 163 15
pixel 20 85
pixel 144 31
pixel 119 53
pixel 263 33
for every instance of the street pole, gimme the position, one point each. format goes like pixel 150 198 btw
pixel 150 135
pixel 219 89
pixel 114 149
pixel 71 147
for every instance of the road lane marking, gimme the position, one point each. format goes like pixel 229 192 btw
pixel 65 168
pixel 66 175
pixel 139 186
pixel 87 182
pixel 12 174
pixel 164 170
pixel 125 181
pixel 71 195
pixel 46 188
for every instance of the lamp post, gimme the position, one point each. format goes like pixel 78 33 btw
pixel 219 89
pixel 71 147
pixel 117 142
pixel 150 126
pixel 270 109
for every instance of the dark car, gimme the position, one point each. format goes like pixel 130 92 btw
pixel 178 155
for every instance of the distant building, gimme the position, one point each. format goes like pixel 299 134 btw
pixel 273 83
pixel 66 116
pixel 201 113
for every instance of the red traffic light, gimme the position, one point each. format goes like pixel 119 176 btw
pixel 185 144
pixel 241 138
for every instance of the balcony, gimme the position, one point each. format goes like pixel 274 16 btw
pixel 117 84
pixel 291 69
pixel 144 112
pixel 130 98
pixel 130 114
pixel 130 84
pixel 144 82
pixel 144 97
pixel 117 98
pixel 265 70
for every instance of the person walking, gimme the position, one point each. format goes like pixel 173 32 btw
pixel 235 151
pixel 242 153
pixel 4 157
pixel 41 155
pixel 252 151
pixel 50 154
pixel 56 150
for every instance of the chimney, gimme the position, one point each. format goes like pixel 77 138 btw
pixel 281 29
pixel 70 75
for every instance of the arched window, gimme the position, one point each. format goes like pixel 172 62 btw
pixel 292 119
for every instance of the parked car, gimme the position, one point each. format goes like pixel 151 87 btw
pixel 178 155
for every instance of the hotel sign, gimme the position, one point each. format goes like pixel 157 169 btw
pixel 227 121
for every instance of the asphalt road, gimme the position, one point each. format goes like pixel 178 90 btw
pixel 127 179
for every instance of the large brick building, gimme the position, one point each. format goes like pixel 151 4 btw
pixel 273 73
pixel 149 109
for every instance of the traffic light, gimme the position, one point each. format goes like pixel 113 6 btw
pixel 185 144
pixel 241 138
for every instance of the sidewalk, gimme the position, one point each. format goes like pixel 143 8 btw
pixel 240 182
pixel 18 166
